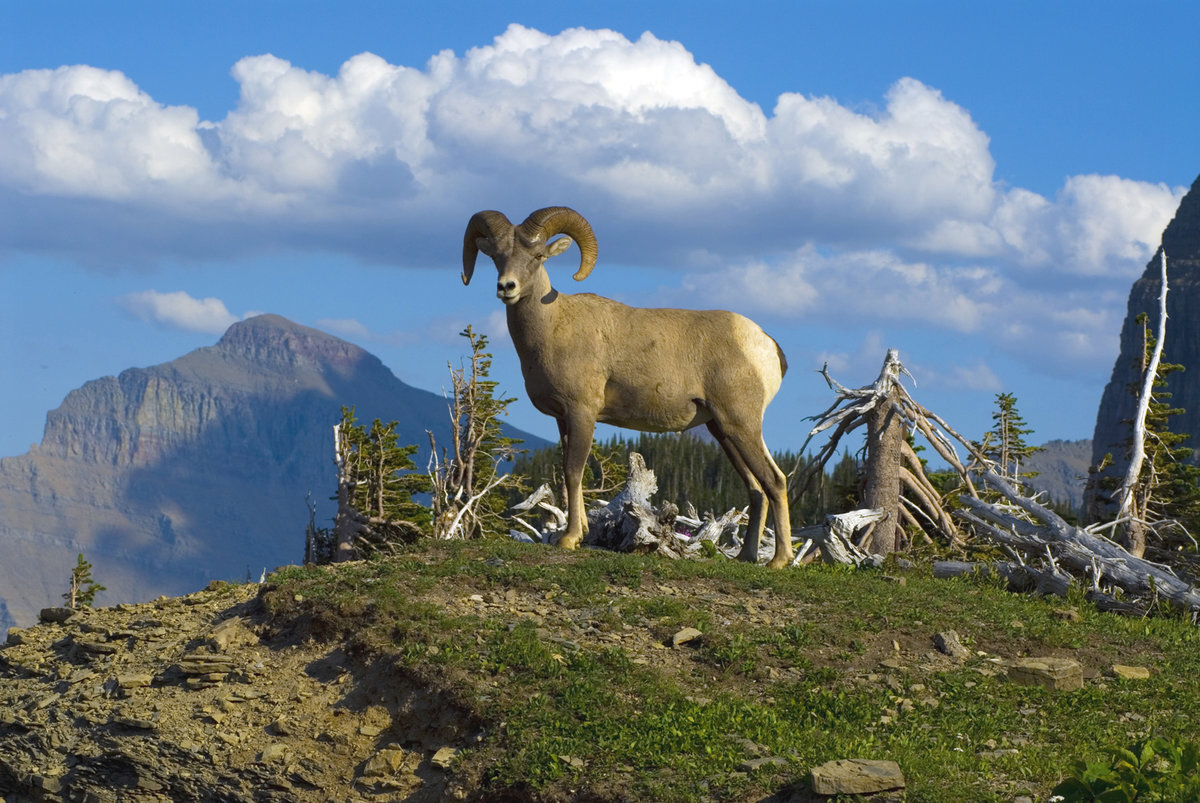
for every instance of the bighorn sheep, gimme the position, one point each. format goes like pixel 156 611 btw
pixel 586 358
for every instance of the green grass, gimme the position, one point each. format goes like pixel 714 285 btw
pixel 795 662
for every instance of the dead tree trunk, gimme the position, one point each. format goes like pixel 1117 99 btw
pixel 349 522
pixel 895 481
pixel 1132 531
pixel 881 481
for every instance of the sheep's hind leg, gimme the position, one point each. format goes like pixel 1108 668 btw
pixel 576 446
pixel 754 529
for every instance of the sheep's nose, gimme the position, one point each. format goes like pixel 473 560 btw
pixel 506 286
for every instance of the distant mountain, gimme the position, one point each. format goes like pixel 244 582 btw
pixel 1181 241
pixel 1062 468
pixel 197 469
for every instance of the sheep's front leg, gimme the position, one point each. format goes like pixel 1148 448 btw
pixel 576 445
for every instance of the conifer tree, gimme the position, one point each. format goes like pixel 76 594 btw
pixel 376 481
pixel 468 484
pixel 1004 444
pixel 81 592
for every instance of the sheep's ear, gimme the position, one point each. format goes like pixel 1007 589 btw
pixel 558 246
pixel 486 245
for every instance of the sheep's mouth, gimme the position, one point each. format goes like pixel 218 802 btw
pixel 508 298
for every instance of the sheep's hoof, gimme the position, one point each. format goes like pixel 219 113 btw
pixel 748 556
pixel 570 541
pixel 780 562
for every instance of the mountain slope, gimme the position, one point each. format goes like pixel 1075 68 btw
pixel 1181 241
pixel 197 469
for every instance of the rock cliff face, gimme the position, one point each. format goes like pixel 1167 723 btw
pixel 1181 240
pixel 170 476
pixel 1062 468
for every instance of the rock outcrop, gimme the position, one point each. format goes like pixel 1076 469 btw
pixel 1181 240
pixel 197 698
pixel 171 476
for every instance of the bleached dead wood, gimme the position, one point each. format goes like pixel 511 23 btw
pixel 837 540
pixel 888 412
pixel 1019 523
pixel 1020 576
pixel 1133 530
pixel 1080 550
pixel 630 523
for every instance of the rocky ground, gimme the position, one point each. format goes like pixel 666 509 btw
pixel 196 698
pixel 272 693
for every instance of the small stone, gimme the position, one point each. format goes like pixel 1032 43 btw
pixel 1066 614
pixel 370 730
pixel 386 762
pixel 1131 672
pixel 684 636
pixel 133 722
pixel 98 647
pixel 948 644
pixel 15 636
pixel 230 633
pixel 753 764
pixel 1055 674
pixel 133 680
pixel 273 752
pixel 856 776
pixel 444 757
pixel 572 762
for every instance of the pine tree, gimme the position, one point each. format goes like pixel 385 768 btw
pixel 468 485
pixel 81 592
pixel 377 478
pixel 1004 444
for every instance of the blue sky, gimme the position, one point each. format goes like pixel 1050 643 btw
pixel 975 184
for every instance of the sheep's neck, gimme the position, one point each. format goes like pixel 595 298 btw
pixel 531 320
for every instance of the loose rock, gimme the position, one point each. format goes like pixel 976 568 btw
pixel 948 644
pixel 684 636
pixel 1131 672
pixel 856 776
pixel 1055 674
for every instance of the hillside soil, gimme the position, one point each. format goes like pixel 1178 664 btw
pixel 282 692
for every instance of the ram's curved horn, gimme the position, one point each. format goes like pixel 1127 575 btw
pixel 488 223
pixel 545 223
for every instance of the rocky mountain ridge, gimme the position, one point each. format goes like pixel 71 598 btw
pixel 170 476
pixel 1181 241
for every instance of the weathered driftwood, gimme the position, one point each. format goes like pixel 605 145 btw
pixel 630 523
pixel 1041 530
pixel 1021 577
pixel 1018 523
pixel 895 480
pixel 838 539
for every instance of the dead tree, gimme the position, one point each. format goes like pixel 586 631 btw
pixel 895 482
pixel 1132 510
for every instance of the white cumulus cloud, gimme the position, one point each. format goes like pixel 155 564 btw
pixel 891 213
pixel 634 133
pixel 179 310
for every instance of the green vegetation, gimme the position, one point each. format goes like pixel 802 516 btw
pixel 1004 444
pixel 561 659
pixel 381 471
pixel 1152 770
pixel 82 589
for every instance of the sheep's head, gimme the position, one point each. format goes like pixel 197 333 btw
pixel 520 251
